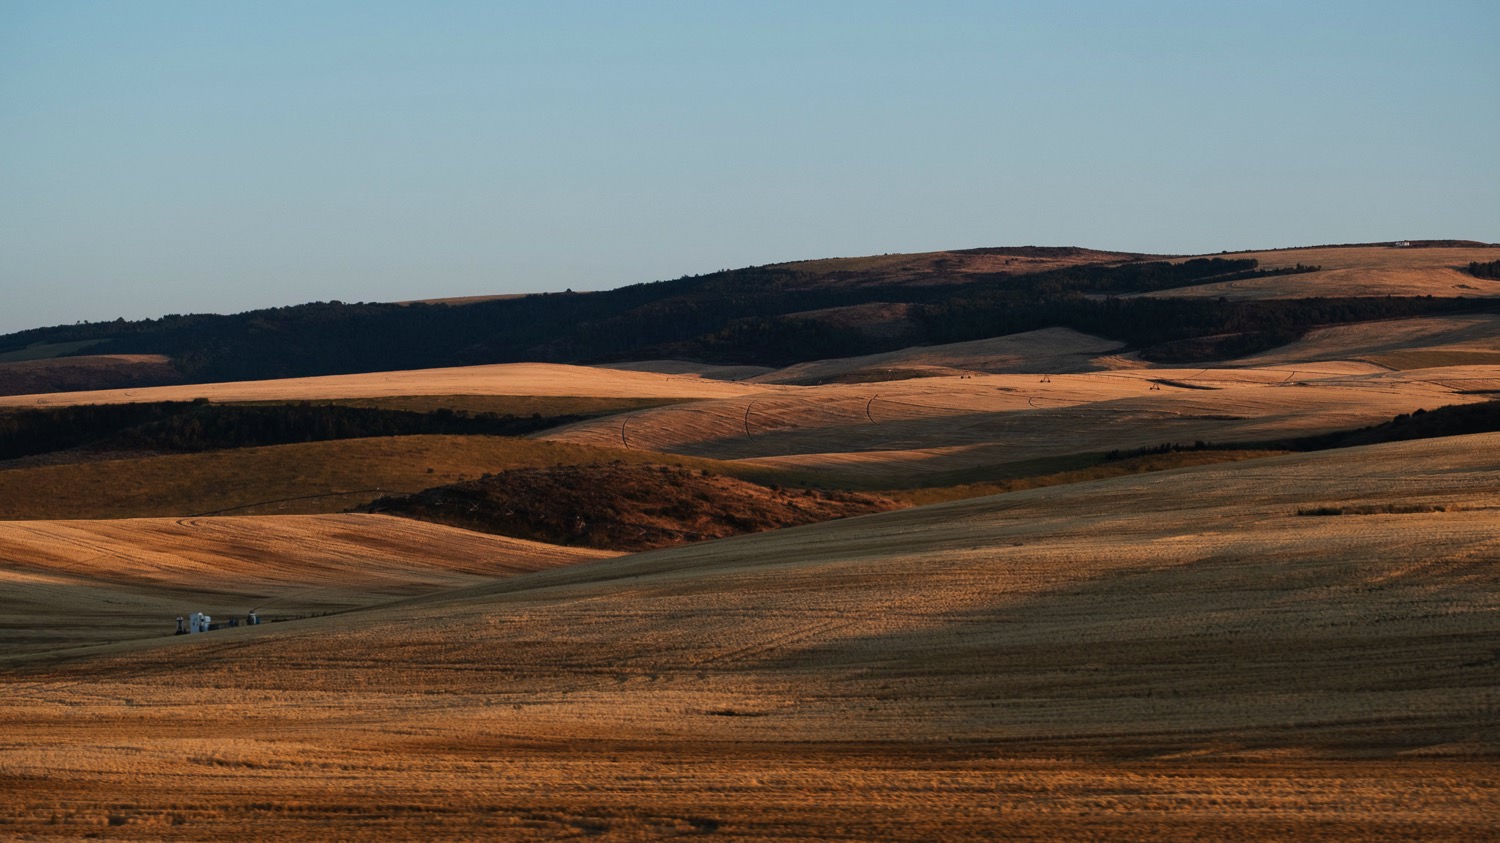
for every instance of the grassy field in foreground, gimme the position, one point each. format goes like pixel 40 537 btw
pixel 1175 656
pixel 495 790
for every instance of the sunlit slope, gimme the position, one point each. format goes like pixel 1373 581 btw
pixel 73 583
pixel 1194 608
pixel 1050 350
pixel 1395 344
pixel 541 379
pixel 1172 656
pixel 927 427
pixel 1375 270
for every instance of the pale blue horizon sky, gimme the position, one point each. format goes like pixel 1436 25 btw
pixel 173 156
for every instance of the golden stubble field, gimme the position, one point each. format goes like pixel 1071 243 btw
pixel 1373 270
pixel 521 379
pixel 1400 344
pixel 1171 656
pixel 925 429
pixel 72 585
pixel 1193 654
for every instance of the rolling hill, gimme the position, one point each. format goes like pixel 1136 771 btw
pixel 73 585
pixel 1135 642
pixel 616 506
pixel 298 479
pixel 1434 268
pixel 1191 309
pixel 930 430
pixel 1168 656
pixel 23 375
pixel 521 379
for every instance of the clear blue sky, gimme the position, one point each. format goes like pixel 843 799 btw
pixel 182 156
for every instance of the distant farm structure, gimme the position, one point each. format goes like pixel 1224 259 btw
pixel 199 622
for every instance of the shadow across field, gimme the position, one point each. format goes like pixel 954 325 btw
pixel 1231 654
pixel 1170 656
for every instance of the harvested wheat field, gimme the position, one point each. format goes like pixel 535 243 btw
pixel 527 379
pixel 1049 350
pixel 1300 647
pixel 924 429
pixel 71 584
pixel 1395 344
pixel 1368 270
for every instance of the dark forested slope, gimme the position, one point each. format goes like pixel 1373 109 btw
pixel 767 315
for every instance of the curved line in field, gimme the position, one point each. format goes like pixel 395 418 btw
pixel 961 410
pixel 190 518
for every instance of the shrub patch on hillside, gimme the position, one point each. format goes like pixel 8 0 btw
pixel 616 506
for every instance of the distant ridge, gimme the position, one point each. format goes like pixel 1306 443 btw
pixel 1171 309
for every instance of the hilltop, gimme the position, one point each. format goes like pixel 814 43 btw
pixel 1177 548
pixel 1186 309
